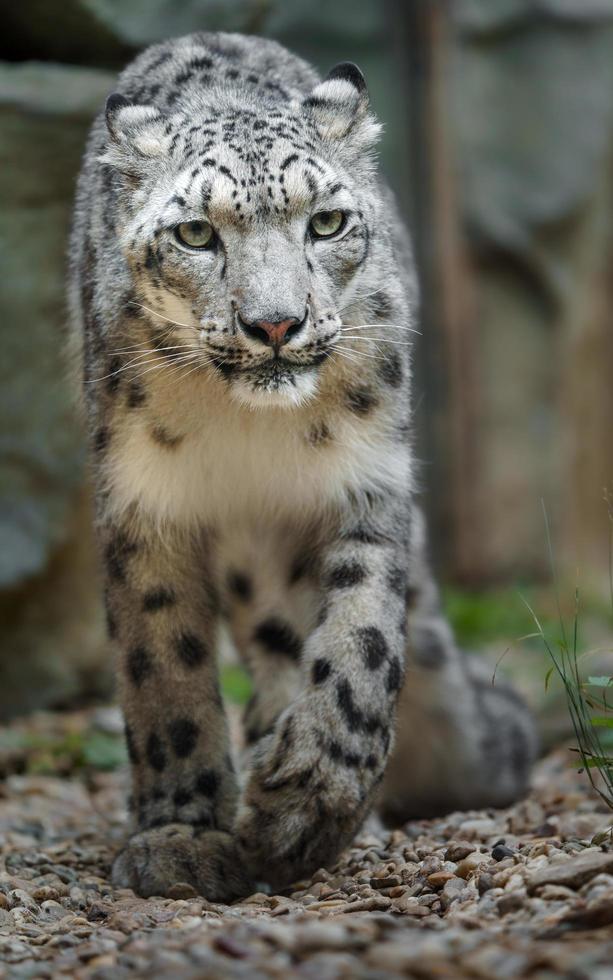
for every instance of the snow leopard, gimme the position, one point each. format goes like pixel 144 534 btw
pixel 244 305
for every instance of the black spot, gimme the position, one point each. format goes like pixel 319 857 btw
pixel 182 797
pixel 207 782
pixel 371 762
pixel 366 534
pixel 183 736
pixel 205 822
pixel 345 575
pixel 139 664
pixel 319 434
pixel 226 369
pixel 382 305
pixel 394 676
pixel 156 757
pixel 356 720
pixel 321 670
pixel 390 369
pixel 288 160
pixel 114 376
pixel 136 395
pixel 191 651
pixel 322 615
pixel 227 173
pixel 158 599
pixel 350 759
pixel 278 637
pixel 240 585
pixel 361 401
pixel 101 439
pixel 117 551
pixel 162 437
pixel 373 646
pixel 132 750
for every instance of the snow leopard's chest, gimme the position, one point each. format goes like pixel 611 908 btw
pixel 226 465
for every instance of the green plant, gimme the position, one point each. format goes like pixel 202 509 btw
pixel 593 731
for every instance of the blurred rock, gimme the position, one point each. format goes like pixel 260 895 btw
pixel 67 31
pixel 49 604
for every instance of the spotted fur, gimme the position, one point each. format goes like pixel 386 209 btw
pixel 270 486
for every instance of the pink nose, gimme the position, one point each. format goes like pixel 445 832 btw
pixel 277 332
pixel 274 333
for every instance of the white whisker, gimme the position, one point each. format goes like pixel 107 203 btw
pixel 360 353
pixel 381 326
pixel 143 359
pixel 176 323
pixel 345 356
pixel 384 340
pixel 359 299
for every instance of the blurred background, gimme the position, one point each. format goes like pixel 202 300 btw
pixel 498 142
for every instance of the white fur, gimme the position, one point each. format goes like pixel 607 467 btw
pixel 236 461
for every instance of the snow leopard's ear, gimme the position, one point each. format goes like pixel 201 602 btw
pixel 339 106
pixel 137 135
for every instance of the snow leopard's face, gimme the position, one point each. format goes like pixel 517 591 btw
pixel 248 236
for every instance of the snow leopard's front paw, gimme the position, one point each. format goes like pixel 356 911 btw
pixel 152 861
pixel 306 797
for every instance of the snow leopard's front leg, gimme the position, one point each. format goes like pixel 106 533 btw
pixel 314 778
pixel 162 613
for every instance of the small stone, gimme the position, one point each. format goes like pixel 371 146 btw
pixel 484 883
pixel 389 881
pixel 44 893
pixel 470 863
pixel 501 851
pixel 182 890
pixel 574 872
pixel 481 828
pixel 458 850
pixel 19 898
pixel 258 898
pixel 320 935
pixel 439 878
pixel 511 902
pixel 556 893
pixel 53 910
pixel 452 891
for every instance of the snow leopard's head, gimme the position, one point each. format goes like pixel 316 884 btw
pixel 248 223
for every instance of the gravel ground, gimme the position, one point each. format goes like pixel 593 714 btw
pixel 523 892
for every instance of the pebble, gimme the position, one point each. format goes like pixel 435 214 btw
pixel 479 894
pixel 439 878
pixel 574 872
pixel 470 863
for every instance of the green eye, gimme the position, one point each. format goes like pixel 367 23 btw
pixel 327 223
pixel 196 234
